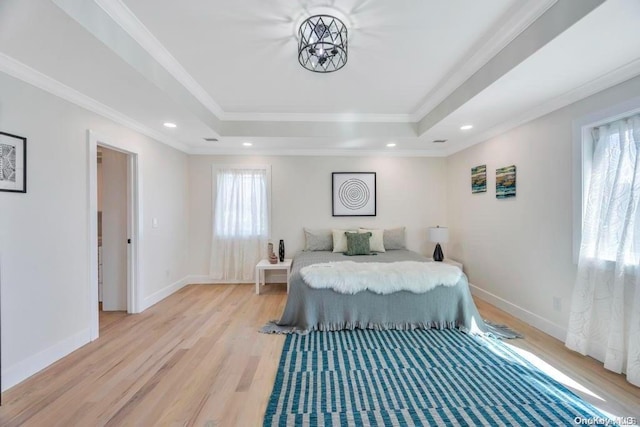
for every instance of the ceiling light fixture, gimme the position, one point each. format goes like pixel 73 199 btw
pixel 391 144
pixel 466 127
pixel 247 144
pixel 322 44
pixel 170 125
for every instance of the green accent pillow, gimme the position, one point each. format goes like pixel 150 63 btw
pixel 358 243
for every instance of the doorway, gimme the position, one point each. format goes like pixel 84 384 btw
pixel 114 228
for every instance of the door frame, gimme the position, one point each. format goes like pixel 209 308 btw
pixel 134 224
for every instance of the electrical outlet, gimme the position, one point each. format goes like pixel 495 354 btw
pixel 557 303
pixel 167 273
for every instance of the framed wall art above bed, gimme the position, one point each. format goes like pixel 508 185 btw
pixel 354 193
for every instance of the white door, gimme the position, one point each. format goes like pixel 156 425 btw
pixel 114 230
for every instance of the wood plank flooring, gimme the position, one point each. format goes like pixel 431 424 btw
pixel 196 359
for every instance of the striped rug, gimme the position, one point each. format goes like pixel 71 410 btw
pixel 407 378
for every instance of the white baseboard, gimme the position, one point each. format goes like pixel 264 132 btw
pixel 22 370
pixel 158 296
pixel 526 316
pixel 200 279
pixel 207 280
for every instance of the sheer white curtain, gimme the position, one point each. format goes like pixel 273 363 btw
pixel 240 223
pixel 605 310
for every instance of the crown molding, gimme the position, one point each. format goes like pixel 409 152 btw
pixel 519 19
pixel 129 22
pixel 610 79
pixel 211 151
pixel 17 69
pixel 23 72
pixel 318 117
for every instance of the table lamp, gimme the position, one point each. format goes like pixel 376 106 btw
pixel 438 235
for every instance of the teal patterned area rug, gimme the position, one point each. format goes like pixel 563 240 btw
pixel 415 378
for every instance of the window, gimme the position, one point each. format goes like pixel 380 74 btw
pixel 605 306
pixel 610 186
pixel 241 203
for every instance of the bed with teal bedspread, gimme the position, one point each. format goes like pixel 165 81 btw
pixel 309 309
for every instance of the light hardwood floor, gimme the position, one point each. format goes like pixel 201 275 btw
pixel 197 359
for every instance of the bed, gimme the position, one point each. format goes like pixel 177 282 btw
pixel 310 309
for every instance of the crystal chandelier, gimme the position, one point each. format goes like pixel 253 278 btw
pixel 322 44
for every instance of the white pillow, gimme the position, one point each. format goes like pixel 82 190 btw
pixel 340 240
pixel 376 241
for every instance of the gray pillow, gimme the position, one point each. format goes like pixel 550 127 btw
pixel 318 240
pixel 394 239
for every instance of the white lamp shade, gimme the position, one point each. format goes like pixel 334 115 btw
pixel 439 234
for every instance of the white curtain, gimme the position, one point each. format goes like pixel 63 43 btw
pixel 605 310
pixel 240 223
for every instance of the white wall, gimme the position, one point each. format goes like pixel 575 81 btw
pixel 410 192
pixel 44 233
pixel 520 250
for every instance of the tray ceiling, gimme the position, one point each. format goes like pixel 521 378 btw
pixel 417 69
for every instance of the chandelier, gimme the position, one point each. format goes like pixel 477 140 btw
pixel 322 44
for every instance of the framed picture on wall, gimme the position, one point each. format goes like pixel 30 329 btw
pixel 479 179
pixel 506 182
pixel 13 163
pixel 354 193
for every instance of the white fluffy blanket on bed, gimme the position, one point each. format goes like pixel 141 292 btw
pixel 348 277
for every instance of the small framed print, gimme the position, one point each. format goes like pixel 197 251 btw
pixel 506 182
pixel 13 163
pixel 479 179
pixel 354 193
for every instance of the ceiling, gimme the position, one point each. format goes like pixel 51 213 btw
pixel 417 69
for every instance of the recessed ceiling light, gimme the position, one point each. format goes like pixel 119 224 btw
pixel 170 125
pixel 247 144
pixel 466 127
pixel 391 144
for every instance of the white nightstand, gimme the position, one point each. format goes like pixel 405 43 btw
pixel 266 265
pixel 451 262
